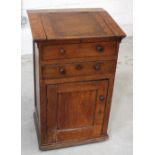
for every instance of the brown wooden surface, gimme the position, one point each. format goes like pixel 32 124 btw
pixel 64 144
pixel 78 69
pixel 78 24
pixel 79 110
pixel 36 27
pixel 75 57
pixel 67 51
pixel 51 113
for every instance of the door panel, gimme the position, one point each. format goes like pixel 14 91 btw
pixel 77 110
pixel 76 115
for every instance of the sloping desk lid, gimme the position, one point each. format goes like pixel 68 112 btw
pixel 73 24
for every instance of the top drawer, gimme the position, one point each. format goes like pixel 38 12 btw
pixel 67 51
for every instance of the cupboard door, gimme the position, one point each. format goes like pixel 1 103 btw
pixel 75 111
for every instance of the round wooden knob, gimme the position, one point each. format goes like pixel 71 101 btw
pixel 62 50
pixel 97 67
pixel 62 70
pixel 99 48
pixel 101 98
pixel 78 66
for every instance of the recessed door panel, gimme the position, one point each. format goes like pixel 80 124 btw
pixel 77 108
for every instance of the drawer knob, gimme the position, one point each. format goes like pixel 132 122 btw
pixel 101 98
pixel 99 48
pixel 62 50
pixel 97 67
pixel 62 70
pixel 78 66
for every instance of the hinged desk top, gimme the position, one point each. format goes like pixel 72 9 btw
pixel 73 24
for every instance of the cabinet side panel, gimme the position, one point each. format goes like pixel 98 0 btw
pixel 41 97
pixel 109 97
pixel 36 81
pixel 40 92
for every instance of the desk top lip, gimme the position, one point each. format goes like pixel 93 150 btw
pixel 66 10
pixel 43 29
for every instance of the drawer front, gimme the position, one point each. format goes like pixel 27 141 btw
pixel 67 51
pixel 78 69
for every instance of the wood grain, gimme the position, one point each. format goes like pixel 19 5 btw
pixel 79 110
pixel 75 25
pixel 117 31
pixel 75 55
pixel 52 52
pixel 78 69
pixel 51 112
pixel 36 26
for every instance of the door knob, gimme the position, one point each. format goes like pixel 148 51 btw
pixel 101 98
pixel 62 70
pixel 62 50
pixel 97 66
pixel 99 48
pixel 78 66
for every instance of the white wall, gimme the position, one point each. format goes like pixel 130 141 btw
pixel 121 11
